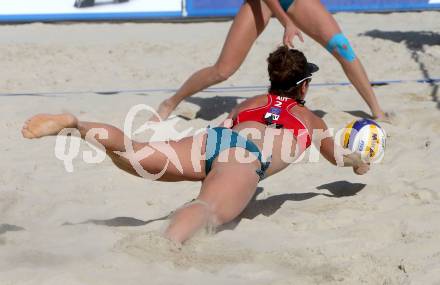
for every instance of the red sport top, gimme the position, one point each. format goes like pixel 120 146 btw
pixel 276 113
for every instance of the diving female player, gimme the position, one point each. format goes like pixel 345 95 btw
pixel 310 16
pixel 268 133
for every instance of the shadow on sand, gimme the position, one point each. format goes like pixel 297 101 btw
pixel 118 222
pixel 211 108
pixel 267 207
pixel 4 228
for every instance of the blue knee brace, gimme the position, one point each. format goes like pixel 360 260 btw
pixel 342 46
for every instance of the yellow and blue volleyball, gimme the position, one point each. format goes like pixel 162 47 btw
pixel 366 137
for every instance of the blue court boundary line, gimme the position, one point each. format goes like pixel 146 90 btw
pixel 214 89
pixel 231 12
pixel 193 11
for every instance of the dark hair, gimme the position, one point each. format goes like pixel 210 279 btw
pixel 286 67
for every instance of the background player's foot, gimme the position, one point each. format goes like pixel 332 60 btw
pixel 164 111
pixel 384 117
pixel 43 125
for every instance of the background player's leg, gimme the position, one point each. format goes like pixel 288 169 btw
pixel 314 20
pixel 246 27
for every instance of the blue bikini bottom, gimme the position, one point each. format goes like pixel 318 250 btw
pixel 219 139
pixel 286 4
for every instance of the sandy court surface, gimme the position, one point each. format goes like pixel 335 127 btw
pixel 311 224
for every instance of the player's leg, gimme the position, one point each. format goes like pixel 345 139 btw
pixel 313 19
pixel 246 27
pixel 176 160
pixel 224 195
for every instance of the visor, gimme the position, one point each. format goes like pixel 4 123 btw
pixel 311 68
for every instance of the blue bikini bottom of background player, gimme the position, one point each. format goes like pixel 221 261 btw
pixel 286 4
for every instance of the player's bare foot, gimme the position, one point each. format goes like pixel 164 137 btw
pixel 43 125
pixel 164 111
pixel 384 117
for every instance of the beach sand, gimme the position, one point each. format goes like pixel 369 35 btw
pixel 311 224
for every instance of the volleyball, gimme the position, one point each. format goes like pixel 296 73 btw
pixel 365 137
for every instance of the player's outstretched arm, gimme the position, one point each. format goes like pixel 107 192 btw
pixel 334 153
